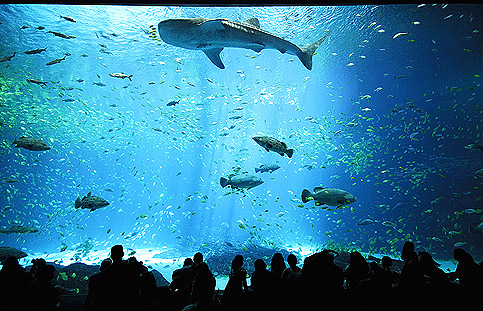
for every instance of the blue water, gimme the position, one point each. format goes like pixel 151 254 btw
pixel 384 118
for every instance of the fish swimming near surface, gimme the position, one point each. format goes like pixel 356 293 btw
pixel 90 202
pixel 6 252
pixel 68 18
pixel 120 75
pixel 272 144
pixel 212 35
pixel 59 34
pixel 241 181
pixel 328 196
pixel 266 168
pixel 31 143
pixel 173 103
pixel 19 229
pixel 36 81
pixel 7 58
pixel 56 61
pixel 37 51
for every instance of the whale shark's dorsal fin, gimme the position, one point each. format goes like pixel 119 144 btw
pixel 253 21
pixel 213 24
pixel 214 56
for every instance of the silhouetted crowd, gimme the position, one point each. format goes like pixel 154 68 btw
pixel 128 285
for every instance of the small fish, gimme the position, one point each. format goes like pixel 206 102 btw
pixel 36 51
pixel 80 80
pixel 24 27
pixel 120 75
pixel 40 28
pixel 56 61
pixel 7 58
pixel 59 34
pixel 400 34
pixel 173 103
pixel 68 18
pixel 366 222
pixel 109 190
pixel 99 83
pixel 36 81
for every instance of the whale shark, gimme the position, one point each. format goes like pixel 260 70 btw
pixel 212 35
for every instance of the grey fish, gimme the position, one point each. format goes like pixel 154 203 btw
pixel 56 61
pixel 37 51
pixel 365 222
pixel 98 83
pixel 7 58
pixel 59 34
pixel 6 252
pixel 31 143
pixel 241 181
pixel 36 81
pixel 173 103
pixel 90 202
pixel 212 35
pixel 68 18
pixel 478 228
pixel 19 229
pixel 328 196
pixel 266 168
pixel 272 144
pixel 120 75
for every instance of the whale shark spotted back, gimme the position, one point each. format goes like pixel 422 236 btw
pixel 212 35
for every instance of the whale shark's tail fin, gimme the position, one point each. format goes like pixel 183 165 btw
pixel 309 50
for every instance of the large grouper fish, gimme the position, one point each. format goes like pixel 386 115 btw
pixel 328 196
pixel 240 181
pixel 212 35
pixel 90 202
pixel 31 143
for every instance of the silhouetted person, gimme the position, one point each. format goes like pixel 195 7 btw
pixel 119 283
pixel 277 265
pixel 197 259
pixel 94 296
pixel 182 282
pixel 266 286
pixel 203 288
pixel 45 295
pixel 436 280
pixel 390 276
pixel 321 279
pixel 234 295
pixel 356 271
pixel 291 275
pixel 468 272
pixel 150 293
pixel 411 280
pixel 14 285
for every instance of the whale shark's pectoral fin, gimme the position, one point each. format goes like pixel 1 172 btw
pixel 257 47
pixel 213 25
pixel 214 56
